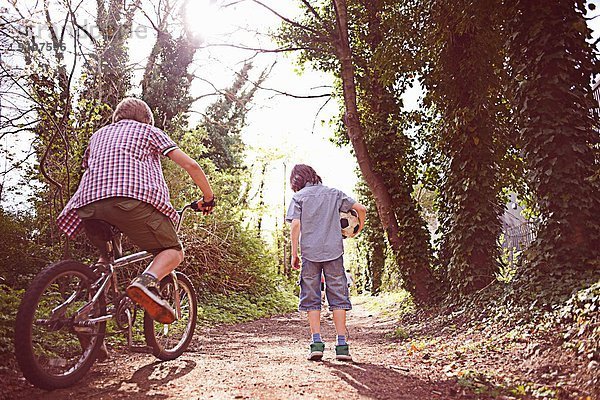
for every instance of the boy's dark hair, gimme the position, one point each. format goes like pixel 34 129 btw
pixel 301 175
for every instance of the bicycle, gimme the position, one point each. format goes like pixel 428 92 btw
pixel 61 321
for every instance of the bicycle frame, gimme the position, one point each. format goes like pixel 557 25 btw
pixel 108 280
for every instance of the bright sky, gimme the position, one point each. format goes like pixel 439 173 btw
pixel 280 125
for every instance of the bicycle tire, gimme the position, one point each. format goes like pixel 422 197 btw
pixel 30 353
pixel 157 334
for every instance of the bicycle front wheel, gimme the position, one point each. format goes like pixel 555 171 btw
pixel 53 346
pixel 169 341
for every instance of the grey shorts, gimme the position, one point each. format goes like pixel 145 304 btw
pixel 336 285
pixel 143 224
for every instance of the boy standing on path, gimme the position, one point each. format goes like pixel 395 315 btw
pixel 314 214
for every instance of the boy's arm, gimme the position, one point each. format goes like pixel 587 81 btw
pixel 194 170
pixel 362 215
pixel 295 237
pixel 86 157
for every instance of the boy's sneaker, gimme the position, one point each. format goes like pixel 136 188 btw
pixel 342 353
pixel 316 351
pixel 144 291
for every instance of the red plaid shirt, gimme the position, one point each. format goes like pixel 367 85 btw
pixel 122 160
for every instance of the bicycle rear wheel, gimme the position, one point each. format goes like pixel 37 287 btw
pixel 170 341
pixel 52 347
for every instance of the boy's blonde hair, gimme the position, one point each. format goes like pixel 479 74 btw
pixel 135 109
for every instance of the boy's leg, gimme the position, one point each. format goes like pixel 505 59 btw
pixel 342 350
pixel 165 262
pixel 339 321
pixel 317 347
pixel 310 286
pixel 144 289
pixel 338 297
pixel 310 301
pixel 151 230
pixel 336 285
pixel 314 320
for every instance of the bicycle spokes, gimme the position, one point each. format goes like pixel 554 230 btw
pixel 59 343
pixel 170 340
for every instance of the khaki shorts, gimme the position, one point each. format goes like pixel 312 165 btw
pixel 143 224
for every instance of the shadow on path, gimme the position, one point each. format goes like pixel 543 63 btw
pixel 157 374
pixel 379 382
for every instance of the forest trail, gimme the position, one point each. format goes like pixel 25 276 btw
pixel 265 359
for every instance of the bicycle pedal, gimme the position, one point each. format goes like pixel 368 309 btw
pixel 141 349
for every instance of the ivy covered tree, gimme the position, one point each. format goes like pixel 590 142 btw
pixel 225 118
pixel 385 127
pixel 372 243
pixel 344 39
pixel 107 73
pixel 551 65
pixel 167 79
pixel 462 76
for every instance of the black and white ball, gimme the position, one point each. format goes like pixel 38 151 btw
pixel 350 223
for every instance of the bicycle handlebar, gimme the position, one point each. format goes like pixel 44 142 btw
pixel 196 205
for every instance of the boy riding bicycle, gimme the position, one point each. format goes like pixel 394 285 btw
pixel 123 185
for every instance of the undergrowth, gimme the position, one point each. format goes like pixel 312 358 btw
pixel 389 304
pixel 240 307
pixel 9 303
pixel 552 321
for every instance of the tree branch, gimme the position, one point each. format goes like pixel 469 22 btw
pixel 289 21
pixel 259 50
pixel 312 9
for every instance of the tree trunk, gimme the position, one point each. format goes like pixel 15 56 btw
pixel 376 266
pixel 557 134
pixel 419 279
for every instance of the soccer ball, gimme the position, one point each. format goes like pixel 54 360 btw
pixel 349 222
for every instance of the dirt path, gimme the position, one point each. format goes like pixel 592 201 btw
pixel 264 359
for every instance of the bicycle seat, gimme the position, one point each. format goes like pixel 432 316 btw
pixel 102 233
pixel 100 229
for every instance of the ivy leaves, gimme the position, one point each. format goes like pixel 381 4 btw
pixel 552 64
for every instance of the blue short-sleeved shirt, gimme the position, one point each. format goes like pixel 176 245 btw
pixel 318 209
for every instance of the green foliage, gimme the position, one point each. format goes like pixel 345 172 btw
pixel 224 120
pixel 390 304
pixel 9 304
pixel 166 82
pixel 581 315
pixel 372 244
pixel 551 65
pixel 223 257
pixel 239 307
pixel 20 256
pixel 464 40
pixel 398 333
pixel 313 35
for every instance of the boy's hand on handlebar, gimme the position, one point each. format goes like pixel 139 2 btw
pixel 205 206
